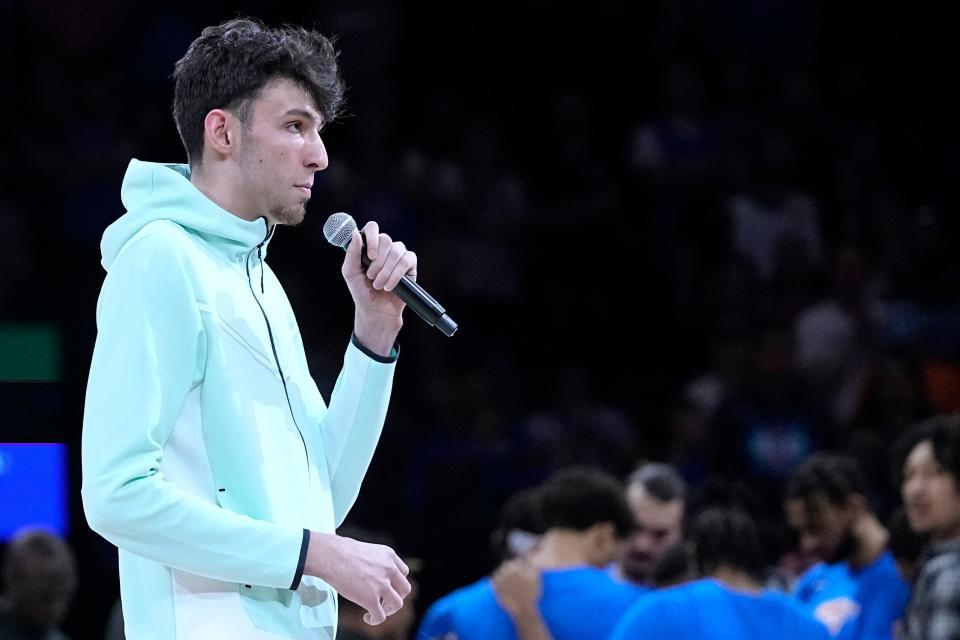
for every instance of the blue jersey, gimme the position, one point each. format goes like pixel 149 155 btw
pixel 855 604
pixel 577 604
pixel 708 610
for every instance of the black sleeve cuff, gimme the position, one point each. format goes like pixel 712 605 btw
pixel 394 353
pixel 302 562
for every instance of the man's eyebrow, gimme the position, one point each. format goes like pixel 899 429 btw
pixel 303 113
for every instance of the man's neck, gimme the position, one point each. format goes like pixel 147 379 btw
pixel 947 535
pixel 560 550
pixel 872 540
pixel 214 187
pixel 736 579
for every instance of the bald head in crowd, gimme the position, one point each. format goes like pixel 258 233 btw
pixel 657 497
pixel 39 580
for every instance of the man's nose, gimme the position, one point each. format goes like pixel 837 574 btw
pixel 643 542
pixel 317 155
pixel 912 487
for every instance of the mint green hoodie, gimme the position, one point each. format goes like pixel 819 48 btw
pixel 208 452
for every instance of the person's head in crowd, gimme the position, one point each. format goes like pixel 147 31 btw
pixel 350 615
pixel 585 519
pixel 827 507
pixel 725 544
pixel 906 545
pixel 930 485
pixel 518 526
pixel 673 567
pixel 39 581
pixel 657 497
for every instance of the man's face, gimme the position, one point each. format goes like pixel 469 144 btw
pixel 41 590
pixel 930 495
pixel 823 528
pixel 659 526
pixel 280 150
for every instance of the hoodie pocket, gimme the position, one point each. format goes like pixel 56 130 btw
pixel 282 612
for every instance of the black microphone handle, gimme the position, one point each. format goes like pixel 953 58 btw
pixel 417 299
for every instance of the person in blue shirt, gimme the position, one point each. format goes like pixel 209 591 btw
pixel 857 591
pixel 585 519
pixel 728 601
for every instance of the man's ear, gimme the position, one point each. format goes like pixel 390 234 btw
pixel 220 132
pixel 603 533
pixel 858 504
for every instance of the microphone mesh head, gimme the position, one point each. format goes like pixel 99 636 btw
pixel 339 228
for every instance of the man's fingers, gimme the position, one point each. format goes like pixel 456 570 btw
pixel 377 265
pixel 407 265
pixel 401 585
pixel 371 231
pixel 390 261
pixel 391 602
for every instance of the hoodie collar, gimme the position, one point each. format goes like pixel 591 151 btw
pixel 153 191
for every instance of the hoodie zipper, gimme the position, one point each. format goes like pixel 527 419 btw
pixel 273 346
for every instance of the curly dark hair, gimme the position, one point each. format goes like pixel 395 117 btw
pixel 228 65
pixel 943 432
pixel 579 497
pixel 835 477
pixel 722 536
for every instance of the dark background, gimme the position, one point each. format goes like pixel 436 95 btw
pixel 591 189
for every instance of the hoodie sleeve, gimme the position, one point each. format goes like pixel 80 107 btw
pixel 149 354
pixel 350 428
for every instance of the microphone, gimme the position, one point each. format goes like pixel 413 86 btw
pixel 338 230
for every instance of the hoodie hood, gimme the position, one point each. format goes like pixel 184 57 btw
pixel 153 191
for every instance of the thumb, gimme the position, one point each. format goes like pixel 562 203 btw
pixel 375 616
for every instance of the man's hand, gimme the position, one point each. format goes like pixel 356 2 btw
pixel 371 575
pixel 517 586
pixel 378 311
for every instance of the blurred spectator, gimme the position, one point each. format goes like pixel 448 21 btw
pixel 830 340
pixel 762 434
pixel 728 601
pixel 585 517
pixel 576 429
pixel 931 497
pixel 657 497
pixel 680 145
pixel 703 397
pixel 39 581
pixel 891 400
pixel 856 591
pixel 772 221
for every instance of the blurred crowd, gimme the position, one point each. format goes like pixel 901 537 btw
pixel 721 235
